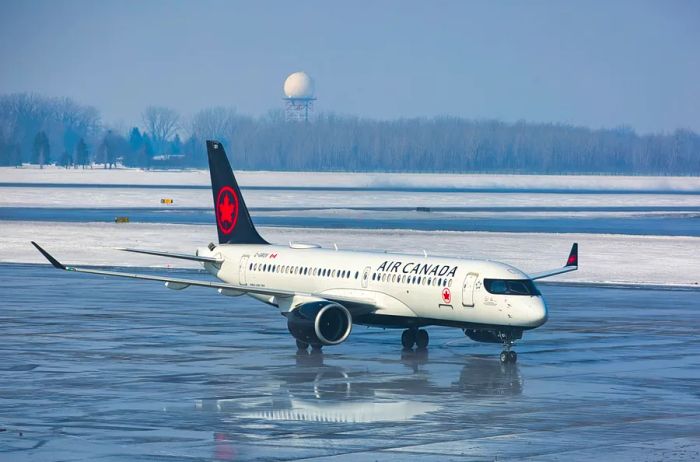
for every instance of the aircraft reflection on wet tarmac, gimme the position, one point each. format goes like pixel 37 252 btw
pixel 313 391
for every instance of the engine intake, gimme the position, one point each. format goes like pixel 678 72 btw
pixel 320 323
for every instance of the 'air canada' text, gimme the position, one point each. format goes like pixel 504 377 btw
pixel 417 268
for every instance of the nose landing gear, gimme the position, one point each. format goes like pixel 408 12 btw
pixel 507 355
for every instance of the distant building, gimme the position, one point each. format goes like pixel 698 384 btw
pixel 299 97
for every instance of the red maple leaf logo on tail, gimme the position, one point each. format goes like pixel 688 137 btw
pixel 226 209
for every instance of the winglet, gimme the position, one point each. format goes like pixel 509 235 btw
pixel 48 256
pixel 573 256
pixel 571 265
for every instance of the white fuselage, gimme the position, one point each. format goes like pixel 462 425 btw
pixel 432 290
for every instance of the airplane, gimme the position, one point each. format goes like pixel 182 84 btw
pixel 324 292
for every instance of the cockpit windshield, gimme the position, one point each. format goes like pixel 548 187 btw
pixel 511 287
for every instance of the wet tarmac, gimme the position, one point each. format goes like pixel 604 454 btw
pixel 108 369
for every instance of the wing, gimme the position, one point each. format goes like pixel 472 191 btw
pixel 179 283
pixel 571 265
pixel 354 305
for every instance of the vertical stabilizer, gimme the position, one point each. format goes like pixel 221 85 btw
pixel 233 221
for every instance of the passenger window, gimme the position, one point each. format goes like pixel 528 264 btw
pixel 357 274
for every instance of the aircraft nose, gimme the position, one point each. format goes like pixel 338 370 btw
pixel 537 312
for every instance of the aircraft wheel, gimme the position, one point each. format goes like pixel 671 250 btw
pixel 512 357
pixel 504 357
pixel 302 345
pixel 408 338
pixel 422 339
pixel 316 349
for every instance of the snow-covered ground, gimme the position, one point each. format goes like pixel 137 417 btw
pixel 97 175
pixel 141 197
pixel 604 258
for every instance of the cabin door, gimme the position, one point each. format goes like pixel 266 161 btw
pixel 468 289
pixel 365 276
pixel 242 268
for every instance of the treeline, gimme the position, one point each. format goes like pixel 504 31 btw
pixel 57 130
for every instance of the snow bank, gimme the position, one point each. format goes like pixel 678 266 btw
pixel 604 258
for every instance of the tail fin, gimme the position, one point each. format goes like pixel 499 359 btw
pixel 232 218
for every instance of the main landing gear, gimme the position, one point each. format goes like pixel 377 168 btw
pixel 417 337
pixel 303 346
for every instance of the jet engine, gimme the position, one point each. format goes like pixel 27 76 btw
pixel 493 336
pixel 320 323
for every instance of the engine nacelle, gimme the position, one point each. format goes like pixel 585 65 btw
pixel 493 336
pixel 320 323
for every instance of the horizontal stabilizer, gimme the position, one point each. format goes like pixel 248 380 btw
pixel 181 256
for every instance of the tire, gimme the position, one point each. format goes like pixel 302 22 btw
pixel 504 357
pixel 408 338
pixel 422 339
pixel 512 357
pixel 302 345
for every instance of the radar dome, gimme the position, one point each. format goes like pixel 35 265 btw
pixel 299 86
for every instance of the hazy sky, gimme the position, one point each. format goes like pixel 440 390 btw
pixel 599 64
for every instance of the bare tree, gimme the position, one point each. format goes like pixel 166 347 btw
pixel 215 123
pixel 161 123
pixel 41 153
